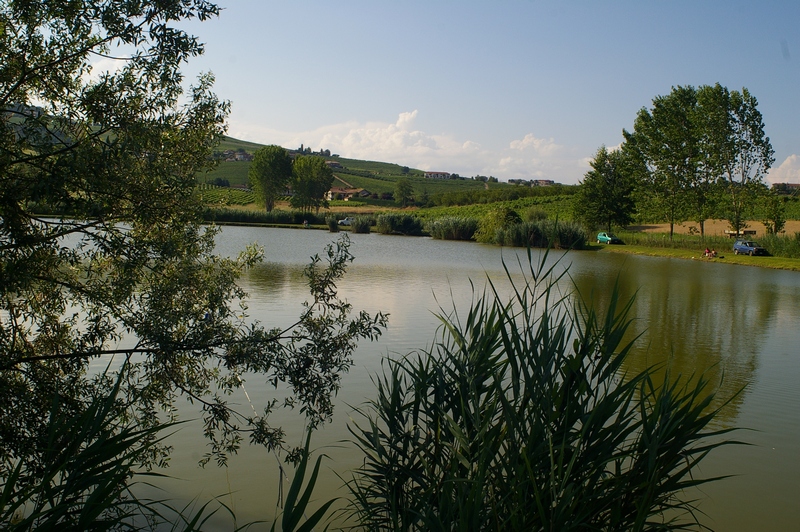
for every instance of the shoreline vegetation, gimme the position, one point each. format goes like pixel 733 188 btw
pixel 650 239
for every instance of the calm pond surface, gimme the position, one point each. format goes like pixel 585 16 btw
pixel 738 324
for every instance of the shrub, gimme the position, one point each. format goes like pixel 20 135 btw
pixel 500 217
pixel 332 223
pixel 260 217
pixel 544 233
pixel 535 214
pixel 361 224
pixel 452 228
pixel 520 417
pixel 404 224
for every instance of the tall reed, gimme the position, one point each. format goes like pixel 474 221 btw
pixel 543 233
pixel 452 228
pixel 361 224
pixel 521 417
pixel 402 224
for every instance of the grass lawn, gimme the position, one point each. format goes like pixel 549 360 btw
pixel 778 263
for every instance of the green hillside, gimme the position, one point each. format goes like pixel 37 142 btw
pixel 375 176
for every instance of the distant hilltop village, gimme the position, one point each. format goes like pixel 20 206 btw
pixel 242 155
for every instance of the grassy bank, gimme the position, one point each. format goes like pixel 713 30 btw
pixel 725 256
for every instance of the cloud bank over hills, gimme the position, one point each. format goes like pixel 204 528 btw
pixel 403 142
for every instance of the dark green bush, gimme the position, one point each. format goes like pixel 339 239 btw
pixel 361 224
pixel 535 214
pixel 499 218
pixel 402 224
pixel 542 234
pixel 260 217
pixel 333 224
pixel 452 228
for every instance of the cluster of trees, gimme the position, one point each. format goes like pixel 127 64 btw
pixel 128 278
pixel 306 150
pixel 697 153
pixel 274 173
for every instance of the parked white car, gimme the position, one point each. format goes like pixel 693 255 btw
pixel 346 221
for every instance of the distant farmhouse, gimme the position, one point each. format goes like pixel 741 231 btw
pixel 437 175
pixel 235 155
pixel 336 193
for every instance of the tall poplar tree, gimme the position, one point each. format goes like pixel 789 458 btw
pixel 746 156
pixel 311 181
pixel 270 172
pixel 666 139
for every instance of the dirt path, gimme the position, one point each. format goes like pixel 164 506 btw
pixel 713 228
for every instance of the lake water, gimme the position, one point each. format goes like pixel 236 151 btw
pixel 737 324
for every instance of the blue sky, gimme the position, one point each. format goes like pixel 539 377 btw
pixel 512 88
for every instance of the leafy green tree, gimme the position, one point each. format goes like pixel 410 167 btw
pixel 605 196
pixel 127 273
pixel 403 192
pixel 311 181
pixel 772 212
pixel 746 156
pixel 269 174
pixel 666 141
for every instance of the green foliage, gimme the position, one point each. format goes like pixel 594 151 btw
pixel 605 196
pixel 699 153
pixel 452 228
pixel 555 206
pixel 296 504
pixel 499 217
pixel 521 417
pixel 84 476
pixel 403 192
pixel 361 224
pixel 782 246
pixel 311 181
pixel 269 174
pixel 497 193
pixel 218 197
pixel 235 172
pixel 402 224
pixel 333 224
pixel 534 214
pixel 128 270
pixel 771 210
pixel 543 234
pixel 277 216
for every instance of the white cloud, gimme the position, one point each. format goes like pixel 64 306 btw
pixel 541 147
pixel 787 172
pixel 403 143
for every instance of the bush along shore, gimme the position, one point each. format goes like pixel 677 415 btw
pixel 504 227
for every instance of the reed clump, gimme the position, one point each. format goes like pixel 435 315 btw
pixel 521 416
pixel 452 228
pixel 399 224
pixel 361 224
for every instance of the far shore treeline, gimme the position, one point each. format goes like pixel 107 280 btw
pixel 697 154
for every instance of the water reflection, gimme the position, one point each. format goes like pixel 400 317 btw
pixel 737 325
pixel 692 322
